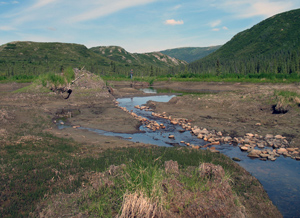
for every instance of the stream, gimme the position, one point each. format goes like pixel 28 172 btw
pixel 280 178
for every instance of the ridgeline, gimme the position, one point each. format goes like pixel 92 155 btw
pixel 270 47
pixel 30 59
pixel 190 54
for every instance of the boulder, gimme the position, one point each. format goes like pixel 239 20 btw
pixel 250 135
pixel 290 149
pixel 264 155
pixel 255 152
pixel 281 151
pixel 244 148
pixel 171 137
pixel 200 136
pixel 196 131
pixel 211 140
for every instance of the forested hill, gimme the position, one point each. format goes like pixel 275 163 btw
pixel 190 54
pixel 271 46
pixel 35 58
pixel 119 54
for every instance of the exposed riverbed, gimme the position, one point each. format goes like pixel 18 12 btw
pixel 281 179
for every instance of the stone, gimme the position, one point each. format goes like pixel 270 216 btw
pixel 174 122
pixel 290 149
pixel 249 134
pixel 227 139
pixel 279 137
pixel 195 146
pixel 269 136
pixel 255 152
pixel 281 151
pixel 200 136
pixel 244 148
pixel 196 131
pixel 236 159
pixel 253 155
pixel 204 131
pixel 219 133
pixel 264 155
pixel 171 137
pixel 260 145
pixel 211 140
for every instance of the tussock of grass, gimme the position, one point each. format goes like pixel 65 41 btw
pixel 137 204
pixel 284 100
pixel 47 165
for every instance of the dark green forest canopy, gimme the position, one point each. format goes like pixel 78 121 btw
pixel 190 54
pixel 28 59
pixel 271 46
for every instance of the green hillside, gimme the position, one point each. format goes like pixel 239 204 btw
pixel 116 53
pixel 271 46
pixel 190 54
pixel 34 58
pixel 30 59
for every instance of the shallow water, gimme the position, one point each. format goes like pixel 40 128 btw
pixel 280 178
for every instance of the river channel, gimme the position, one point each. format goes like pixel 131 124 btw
pixel 280 178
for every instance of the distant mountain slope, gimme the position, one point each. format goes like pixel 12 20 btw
pixel 190 54
pixel 34 58
pixel 271 46
pixel 119 54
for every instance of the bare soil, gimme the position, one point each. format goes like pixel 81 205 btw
pixel 236 108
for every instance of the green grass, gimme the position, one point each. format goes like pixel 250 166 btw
pixel 33 169
pixel 206 77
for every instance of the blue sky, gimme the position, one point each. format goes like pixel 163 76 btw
pixel 136 25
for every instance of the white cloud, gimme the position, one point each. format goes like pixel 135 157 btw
pixel 42 3
pixel 174 22
pixel 176 7
pixel 215 23
pixel 15 2
pixel 225 28
pixel 6 28
pixel 252 8
pixel 216 29
pixel 106 7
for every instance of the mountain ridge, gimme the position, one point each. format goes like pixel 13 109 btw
pixel 190 54
pixel 271 46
